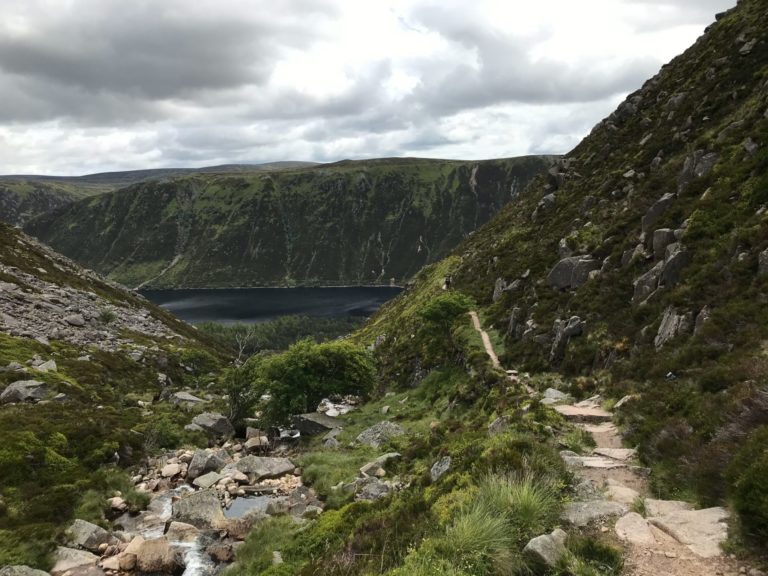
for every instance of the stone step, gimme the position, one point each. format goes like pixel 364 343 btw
pixel 622 454
pixel 619 493
pixel 702 531
pixel 583 413
pixel 575 461
pixel 583 513
pixel 634 529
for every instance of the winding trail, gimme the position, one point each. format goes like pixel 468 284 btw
pixel 671 537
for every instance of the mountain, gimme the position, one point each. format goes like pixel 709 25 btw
pixel 637 267
pixel 23 197
pixel 365 222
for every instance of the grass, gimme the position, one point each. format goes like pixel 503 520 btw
pixel 325 469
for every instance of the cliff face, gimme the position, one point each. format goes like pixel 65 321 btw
pixel 22 201
pixel 348 223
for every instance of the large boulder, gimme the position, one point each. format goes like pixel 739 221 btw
pixel 314 423
pixel 675 260
pixel 380 433
pixel 214 424
pixel 24 391
pixel 547 549
pixel 66 559
pixel 673 325
pixel 82 534
pixel 21 571
pixel 156 556
pixel 662 238
pixel 202 462
pixel 655 212
pixel 201 509
pixel 259 468
pixel 563 331
pixel 646 284
pixel 572 272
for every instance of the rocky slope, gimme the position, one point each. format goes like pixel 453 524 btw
pixel 639 265
pixel 349 223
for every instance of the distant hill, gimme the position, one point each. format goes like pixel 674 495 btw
pixel 24 196
pixel 352 222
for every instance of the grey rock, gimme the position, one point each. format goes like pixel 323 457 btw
pixel 82 534
pixel 24 391
pixel 662 238
pixel 563 332
pixel 75 320
pixel 498 289
pixel 747 48
pixel 547 549
pixel 331 443
pixel 372 489
pixel 314 423
pixel 200 509
pixel 701 319
pixel 66 559
pixel 672 325
pixel 21 571
pixel 202 462
pixel 677 258
pixel 380 433
pixel 645 285
pixel 207 480
pixel 498 426
pixel 655 212
pixel 762 266
pixel 705 164
pixel 214 424
pixel 750 146
pixel 701 530
pixel 635 529
pixel 572 272
pixel 554 396
pixel 185 398
pixel 157 556
pixel 49 366
pixel 583 513
pixel 439 468
pixel 259 468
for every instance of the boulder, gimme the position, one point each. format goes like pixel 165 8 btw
pixel 563 332
pixel 646 284
pixel 66 559
pixel 583 513
pixel 314 423
pixel 256 443
pixel 554 396
pixel 21 571
pixel 619 493
pixel 170 470
pixel 655 212
pixel 655 507
pixel 498 426
pixel 207 480
pixel 701 530
pixel 201 509
pixel 87 536
pixel 672 325
pixel 214 424
pixel 49 366
pixel 182 532
pixel 762 266
pixel 439 468
pixel 662 238
pixel 185 398
pixel 75 320
pixel 372 489
pixel 202 462
pixel 547 549
pixel 157 556
pixel 380 433
pixel 259 468
pixel 24 391
pixel 676 259
pixel 572 272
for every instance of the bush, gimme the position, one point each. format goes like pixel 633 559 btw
pixel 748 476
pixel 298 379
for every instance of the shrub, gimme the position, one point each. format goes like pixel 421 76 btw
pixel 748 476
pixel 589 557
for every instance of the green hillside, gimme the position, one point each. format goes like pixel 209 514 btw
pixel 362 222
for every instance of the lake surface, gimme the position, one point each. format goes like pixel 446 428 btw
pixel 262 304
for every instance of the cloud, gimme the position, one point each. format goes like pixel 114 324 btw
pixel 90 85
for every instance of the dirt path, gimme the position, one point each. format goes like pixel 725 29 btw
pixel 486 340
pixel 672 538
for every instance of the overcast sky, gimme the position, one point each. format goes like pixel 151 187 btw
pixel 96 85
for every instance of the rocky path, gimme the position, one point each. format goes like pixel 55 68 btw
pixel 661 537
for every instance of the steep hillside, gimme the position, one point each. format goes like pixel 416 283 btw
pixel 639 265
pixel 347 223
pixel 79 357
pixel 23 197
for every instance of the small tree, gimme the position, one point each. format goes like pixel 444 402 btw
pixel 439 315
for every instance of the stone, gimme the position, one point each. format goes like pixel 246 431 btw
pixel 655 507
pixel 554 396
pixel 439 468
pixel 214 424
pixel 256 444
pixel 583 413
pixel 75 320
pixel 170 470
pixel 646 284
pixel 676 259
pixel 314 423
pixel 201 509
pixel 49 366
pixel 576 461
pixel 82 534
pixel 181 532
pixel 701 530
pixel 157 556
pixel 66 559
pixel 202 462
pixel 620 493
pixel 662 238
pixel 623 402
pixel 672 325
pixel 24 391
pixel 762 265
pixel 380 433
pixel 572 272
pixel 311 512
pixel 498 426
pixel 185 398
pixel 207 480
pixel 372 489
pixel 547 549
pixel 634 529
pixel 701 319
pixel 221 552
pixel 583 513
pixel 563 332
pixel 21 571
pixel 705 164
pixel 372 469
pixel 655 212
pixel 622 454
pixel 259 468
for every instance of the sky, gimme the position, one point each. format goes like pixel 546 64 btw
pixel 99 85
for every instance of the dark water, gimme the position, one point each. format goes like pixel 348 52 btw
pixel 262 304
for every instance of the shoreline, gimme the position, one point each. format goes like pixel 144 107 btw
pixel 184 288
